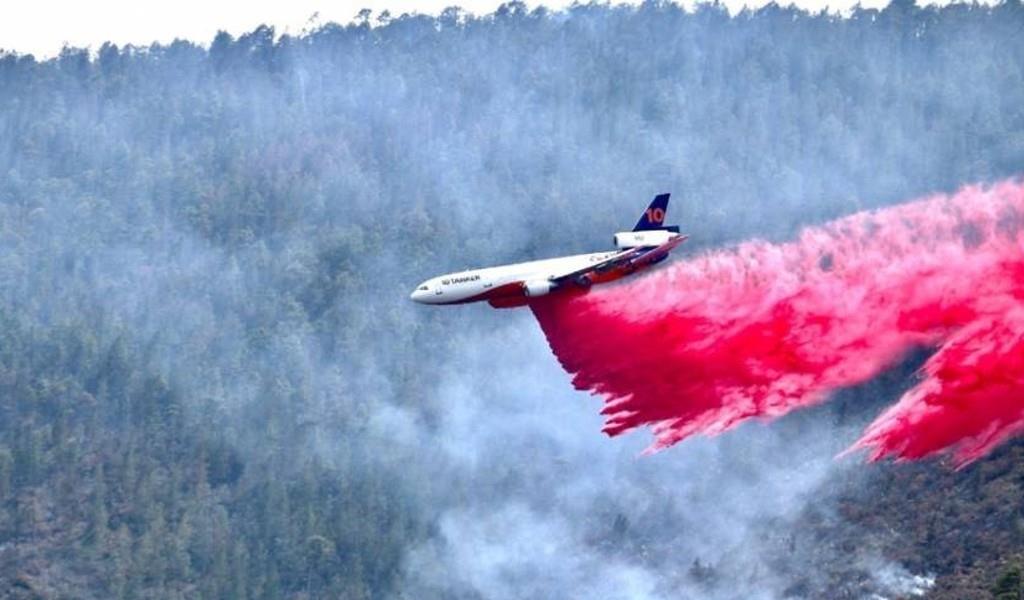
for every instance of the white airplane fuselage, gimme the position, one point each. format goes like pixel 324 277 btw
pixel 506 286
pixel 509 282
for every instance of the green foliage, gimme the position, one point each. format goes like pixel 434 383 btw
pixel 6 473
pixel 205 254
pixel 1009 584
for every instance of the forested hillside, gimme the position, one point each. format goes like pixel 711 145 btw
pixel 213 384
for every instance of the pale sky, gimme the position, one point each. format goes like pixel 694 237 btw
pixel 42 27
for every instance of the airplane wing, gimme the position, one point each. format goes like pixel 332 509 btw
pixel 657 253
pixel 609 263
pixel 631 259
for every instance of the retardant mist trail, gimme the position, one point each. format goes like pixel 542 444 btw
pixel 762 329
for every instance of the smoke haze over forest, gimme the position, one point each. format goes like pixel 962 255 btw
pixel 44 27
pixel 212 383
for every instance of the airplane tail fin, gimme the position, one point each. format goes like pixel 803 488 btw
pixel 654 216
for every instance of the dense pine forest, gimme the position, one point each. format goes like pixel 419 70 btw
pixel 213 384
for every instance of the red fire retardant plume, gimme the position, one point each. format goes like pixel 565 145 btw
pixel 701 345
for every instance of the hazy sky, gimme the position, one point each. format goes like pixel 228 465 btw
pixel 42 27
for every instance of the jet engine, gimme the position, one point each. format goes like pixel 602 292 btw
pixel 538 287
pixel 625 240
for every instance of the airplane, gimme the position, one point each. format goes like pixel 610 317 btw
pixel 514 285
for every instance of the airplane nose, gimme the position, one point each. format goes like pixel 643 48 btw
pixel 419 295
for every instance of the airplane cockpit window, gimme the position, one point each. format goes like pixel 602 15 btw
pixel 423 288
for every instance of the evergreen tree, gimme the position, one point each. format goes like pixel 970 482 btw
pixel 1008 586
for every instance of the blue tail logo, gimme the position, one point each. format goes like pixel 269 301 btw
pixel 654 216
